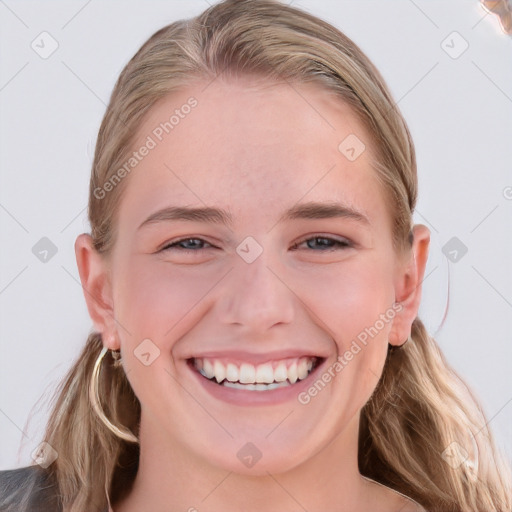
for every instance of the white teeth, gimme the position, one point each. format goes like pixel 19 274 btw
pixel 292 373
pixel 208 369
pixel 262 377
pixel 232 373
pixel 302 369
pixel 280 373
pixel 247 373
pixel 265 373
pixel 255 387
pixel 220 371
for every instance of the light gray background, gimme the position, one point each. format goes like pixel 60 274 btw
pixel 459 111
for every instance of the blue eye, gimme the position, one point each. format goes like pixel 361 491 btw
pixel 178 244
pixel 320 243
pixel 324 243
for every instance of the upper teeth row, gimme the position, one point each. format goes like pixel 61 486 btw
pixel 246 373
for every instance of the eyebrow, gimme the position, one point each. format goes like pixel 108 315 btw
pixel 309 210
pixel 315 210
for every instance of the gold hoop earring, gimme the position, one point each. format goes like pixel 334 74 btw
pixel 94 397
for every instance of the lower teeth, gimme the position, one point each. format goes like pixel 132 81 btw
pixel 255 387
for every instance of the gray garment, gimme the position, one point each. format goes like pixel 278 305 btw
pixel 29 489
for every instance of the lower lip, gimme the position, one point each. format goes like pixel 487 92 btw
pixel 246 397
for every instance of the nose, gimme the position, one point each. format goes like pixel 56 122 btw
pixel 256 296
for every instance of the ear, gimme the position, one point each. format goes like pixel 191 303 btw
pixel 408 285
pixel 96 284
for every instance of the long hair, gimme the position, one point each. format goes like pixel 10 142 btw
pixel 421 417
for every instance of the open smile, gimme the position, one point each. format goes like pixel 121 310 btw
pixel 243 382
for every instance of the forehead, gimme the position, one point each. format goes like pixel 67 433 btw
pixel 252 147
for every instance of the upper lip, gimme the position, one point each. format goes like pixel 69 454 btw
pixel 255 358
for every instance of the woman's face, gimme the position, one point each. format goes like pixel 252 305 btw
pixel 286 273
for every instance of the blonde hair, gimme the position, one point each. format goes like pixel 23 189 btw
pixel 419 408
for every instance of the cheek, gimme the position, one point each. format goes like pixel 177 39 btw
pixel 354 305
pixel 161 303
pixel 350 297
pixel 157 300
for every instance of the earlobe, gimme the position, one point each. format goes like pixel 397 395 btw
pixel 95 279
pixel 408 286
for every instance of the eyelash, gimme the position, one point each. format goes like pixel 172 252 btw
pixel 339 244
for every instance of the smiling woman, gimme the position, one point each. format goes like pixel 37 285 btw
pixel 254 282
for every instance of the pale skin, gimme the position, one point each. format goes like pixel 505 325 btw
pixel 254 149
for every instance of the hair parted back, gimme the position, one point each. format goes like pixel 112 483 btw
pixel 420 406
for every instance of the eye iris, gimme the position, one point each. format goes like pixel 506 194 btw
pixel 195 243
pixel 324 242
pixel 317 242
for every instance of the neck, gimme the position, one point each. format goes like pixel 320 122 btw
pixel 171 477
